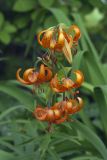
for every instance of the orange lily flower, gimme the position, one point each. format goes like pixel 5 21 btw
pixel 31 77
pixel 69 41
pixel 56 86
pixel 61 43
pixel 67 83
pixel 59 112
pixel 72 106
pixel 69 106
pixel 58 40
pixel 50 115
pixel 45 74
pixel 49 40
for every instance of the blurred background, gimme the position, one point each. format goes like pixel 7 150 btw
pixel 20 21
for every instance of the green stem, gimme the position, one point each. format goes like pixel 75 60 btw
pixel 64 94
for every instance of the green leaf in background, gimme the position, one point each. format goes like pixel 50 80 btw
pixel 6 155
pixel 91 61
pixel 60 16
pixel 5 33
pixel 85 118
pixel 65 136
pixel 50 21
pixel 10 146
pixel 5 37
pixel 101 99
pixel 88 87
pixel 1 19
pixel 20 95
pixel 46 3
pixel 97 3
pixel 9 28
pixel 86 158
pixel 103 51
pixel 6 112
pixel 93 69
pixel 64 9
pixel 22 22
pixel 77 60
pixel 91 137
pixel 80 22
pixel 34 26
pixel 24 5
pixel 104 69
pixel 53 154
pixel 94 18
pixel 44 145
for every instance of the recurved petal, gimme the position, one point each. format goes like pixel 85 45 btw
pixel 80 102
pixel 76 30
pixel 79 79
pixel 78 105
pixel 39 36
pixel 40 113
pixel 21 79
pixel 41 75
pixel 60 41
pixel 29 75
pixel 47 38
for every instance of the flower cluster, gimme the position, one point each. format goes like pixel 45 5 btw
pixel 60 111
pixel 56 39
pixel 66 83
